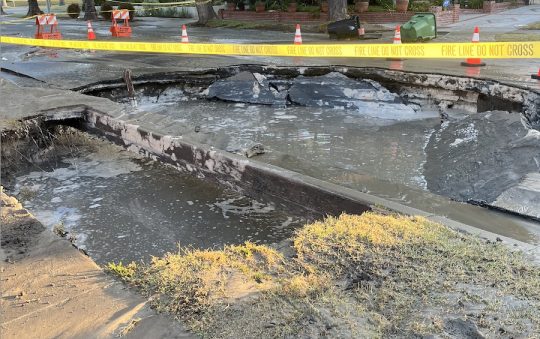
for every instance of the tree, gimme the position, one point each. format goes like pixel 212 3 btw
pixel 33 8
pixel 337 10
pixel 90 13
pixel 205 11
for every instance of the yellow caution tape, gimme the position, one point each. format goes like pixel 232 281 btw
pixel 487 50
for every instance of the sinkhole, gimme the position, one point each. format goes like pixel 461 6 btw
pixel 250 153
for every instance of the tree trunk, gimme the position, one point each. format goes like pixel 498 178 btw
pixel 337 10
pixel 90 13
pixel 205 12
pixel 33 8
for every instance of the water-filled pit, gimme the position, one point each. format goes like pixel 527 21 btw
pixel 415 139
pixel 430 142
pixel 118 206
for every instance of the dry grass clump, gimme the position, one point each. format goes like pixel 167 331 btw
pixel 405 267
pixel 191 281
pixel 353 276
pixel 335 243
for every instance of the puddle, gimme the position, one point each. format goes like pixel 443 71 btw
pixel 383 157
pixel 119 207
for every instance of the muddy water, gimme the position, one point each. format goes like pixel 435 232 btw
pixel 120 208
pixel 362 150
pixel 370 143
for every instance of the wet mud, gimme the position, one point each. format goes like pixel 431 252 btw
pixel 376 137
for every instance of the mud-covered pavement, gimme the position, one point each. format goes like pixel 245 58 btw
pixel 487 158
pixel 369 146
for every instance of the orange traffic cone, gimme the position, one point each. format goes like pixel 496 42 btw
pixel 298 36
pixel 91 34
pixel 185 38
pixel 397 35
pixel 536 76
pixel 396 41
pixel 474 62
pixel 361 32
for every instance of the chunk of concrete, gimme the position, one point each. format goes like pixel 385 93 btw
pixel 524 198
pixel 335 90
pixel 244 87
pixel 486 157
pixel 248 148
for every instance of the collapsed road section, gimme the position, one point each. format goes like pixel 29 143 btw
pixel 118 206
pixel 255 138
pixel 401 136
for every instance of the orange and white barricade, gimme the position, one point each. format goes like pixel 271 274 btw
pixel 116 29
pixel 47 20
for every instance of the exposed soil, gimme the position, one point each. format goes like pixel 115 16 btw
pixel 421 137
pixel 19 228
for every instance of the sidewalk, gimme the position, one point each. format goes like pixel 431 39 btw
pixel 497 23
pixel 52 290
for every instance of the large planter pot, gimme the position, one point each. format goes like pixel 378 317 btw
pixel 231 6
pixel 361 6
pixel 324 7
pixel 402 5
pixel 291 8
pixel 259 7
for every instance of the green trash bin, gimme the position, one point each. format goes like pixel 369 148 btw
pixel 421 27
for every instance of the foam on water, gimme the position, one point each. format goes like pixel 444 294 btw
pixel 127 208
